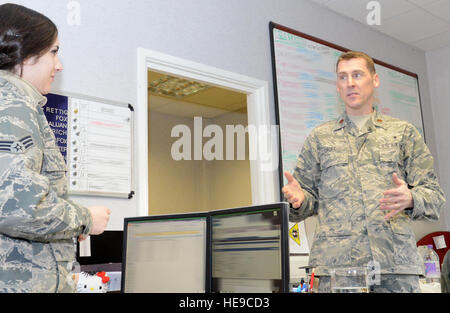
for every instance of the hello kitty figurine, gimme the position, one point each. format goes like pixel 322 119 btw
pixel 97 283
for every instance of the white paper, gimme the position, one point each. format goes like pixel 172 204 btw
pixel 439 242
pixel 99 157
pixel 85 247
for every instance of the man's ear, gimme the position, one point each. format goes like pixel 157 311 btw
pixel 376 80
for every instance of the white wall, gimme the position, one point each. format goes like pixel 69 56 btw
pixel 230 182
pixel 438 62
pixel 170 181
pixel 99 55
pixel 194 185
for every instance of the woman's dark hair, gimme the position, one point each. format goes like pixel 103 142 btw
pixel 24 33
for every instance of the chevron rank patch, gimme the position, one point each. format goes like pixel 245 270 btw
pixel 19 146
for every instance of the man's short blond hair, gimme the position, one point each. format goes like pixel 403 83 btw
pixel 357 54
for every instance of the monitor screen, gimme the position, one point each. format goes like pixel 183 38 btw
pixel 249 249
pixel 166 253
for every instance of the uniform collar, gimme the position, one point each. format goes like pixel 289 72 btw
pixel 378 119
pixel 24 86
pixel 344 121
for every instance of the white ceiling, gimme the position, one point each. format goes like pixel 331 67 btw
pixel 424 24
pixel 211 102
pixel 168 105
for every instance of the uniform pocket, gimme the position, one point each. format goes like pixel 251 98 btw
pixel 64 251
pixel 390 162
pixel 334 175
pixel 333 245
pixel 390 157
pixel 404 243
pixel 336 229
pixel 333 159
pixel 53 161
pixel 65 256
pixel 54 167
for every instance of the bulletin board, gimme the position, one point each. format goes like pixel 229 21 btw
pixel 95 136
pixel 304 80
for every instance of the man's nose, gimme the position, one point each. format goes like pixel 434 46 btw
pixel 350 81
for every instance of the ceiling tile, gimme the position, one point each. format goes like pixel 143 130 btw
pixel 320 1
pixel 181 108
pixel 422 3
pixel 434 42
pixel 413 25
pixel 358 10
pixel 423 23
pixel 391 8
pixel 441 9
pixel 350 8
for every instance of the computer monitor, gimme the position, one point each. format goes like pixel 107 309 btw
pixel 166 253
pixel 250 249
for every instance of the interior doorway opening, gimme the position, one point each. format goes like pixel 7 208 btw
pixel 263 173
pixel 198 168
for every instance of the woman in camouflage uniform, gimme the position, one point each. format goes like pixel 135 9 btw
pixel 38 224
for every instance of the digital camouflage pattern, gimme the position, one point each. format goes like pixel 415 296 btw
pixel 388 284
pixel 38 225
pixel 343 172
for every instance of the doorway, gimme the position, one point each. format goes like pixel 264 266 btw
pixel 263 179
pixel 195 182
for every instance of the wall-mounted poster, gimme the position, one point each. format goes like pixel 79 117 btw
pixel 55 111
pixel 96 139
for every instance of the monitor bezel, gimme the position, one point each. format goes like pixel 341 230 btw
pixel 204 215
pixel 284 210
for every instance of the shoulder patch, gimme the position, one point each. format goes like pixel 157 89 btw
pixel 19 146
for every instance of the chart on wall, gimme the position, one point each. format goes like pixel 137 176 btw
pixel 95 137
pixel 305 89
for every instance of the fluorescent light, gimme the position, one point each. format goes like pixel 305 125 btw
pixel 175 87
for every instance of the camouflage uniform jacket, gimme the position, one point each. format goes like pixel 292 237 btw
pixel 343 173
pixel 38 225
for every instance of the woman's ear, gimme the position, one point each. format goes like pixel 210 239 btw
pixel 30 61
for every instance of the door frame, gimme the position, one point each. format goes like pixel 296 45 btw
pixel 264 180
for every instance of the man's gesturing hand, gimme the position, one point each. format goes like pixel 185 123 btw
pixel 292 191
pixel 397 199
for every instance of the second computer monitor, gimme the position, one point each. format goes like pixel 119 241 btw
pixel 250 249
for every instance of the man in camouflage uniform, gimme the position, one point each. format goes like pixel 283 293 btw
pixel 354 170
pixel 38 225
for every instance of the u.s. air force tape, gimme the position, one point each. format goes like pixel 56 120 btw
pixel 18 146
